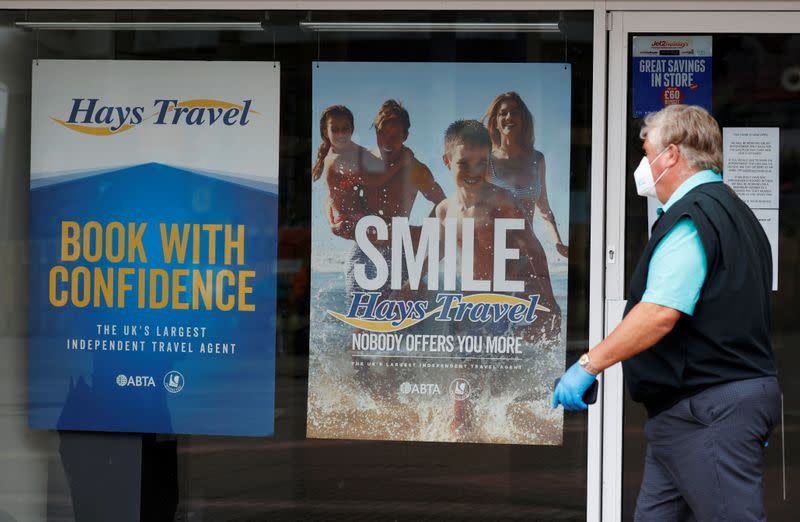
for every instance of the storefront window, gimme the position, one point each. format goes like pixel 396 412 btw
pixel 49 474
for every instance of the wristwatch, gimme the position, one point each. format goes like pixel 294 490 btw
pixel 586 364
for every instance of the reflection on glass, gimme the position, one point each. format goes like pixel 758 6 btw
pixel 290 477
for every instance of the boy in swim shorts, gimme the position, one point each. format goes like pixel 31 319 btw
pixel 467 150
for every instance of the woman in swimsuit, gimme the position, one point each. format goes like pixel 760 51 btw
pixel 515 164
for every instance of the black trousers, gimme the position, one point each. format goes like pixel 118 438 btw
pixel 704 455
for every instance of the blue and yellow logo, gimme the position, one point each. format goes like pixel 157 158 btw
pixel 370 313
pixel 90 116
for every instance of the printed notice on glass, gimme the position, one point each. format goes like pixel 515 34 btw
pixel 752 170
pixel 751 164
pixel 769 221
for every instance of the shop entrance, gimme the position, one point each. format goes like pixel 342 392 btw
pixel 745 69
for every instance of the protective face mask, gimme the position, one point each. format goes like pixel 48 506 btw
pixel 643 176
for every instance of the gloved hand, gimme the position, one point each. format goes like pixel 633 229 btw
pixel 571 387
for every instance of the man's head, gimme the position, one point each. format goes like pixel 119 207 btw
pixel 467 147
pixel 391 126
pixel 680 140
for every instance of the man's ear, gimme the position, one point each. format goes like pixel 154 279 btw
pixel 446 160
pixel 674 153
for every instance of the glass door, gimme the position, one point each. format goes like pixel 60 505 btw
pixel 750 82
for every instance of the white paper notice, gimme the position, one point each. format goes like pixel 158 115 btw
pixel 751 164
pixel 769 220
pixel 752 170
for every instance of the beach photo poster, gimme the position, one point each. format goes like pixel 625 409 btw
pixel 153 233
pixel 440 231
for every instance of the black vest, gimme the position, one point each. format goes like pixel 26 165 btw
pixel 728 337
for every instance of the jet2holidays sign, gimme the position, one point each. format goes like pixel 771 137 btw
pixel 670 70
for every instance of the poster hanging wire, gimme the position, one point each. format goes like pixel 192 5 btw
pixel 37 47
pixel 265 25
pixel 319 52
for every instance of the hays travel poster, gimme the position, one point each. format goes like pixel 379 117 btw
pixel 440 217
pixel 153 226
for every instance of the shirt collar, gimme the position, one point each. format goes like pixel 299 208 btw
pixel 695 180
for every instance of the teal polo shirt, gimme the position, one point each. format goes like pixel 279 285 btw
pixel 678 266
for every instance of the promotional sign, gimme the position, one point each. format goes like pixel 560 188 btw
pixel 440 215
pixel 670 70
pixel 153 229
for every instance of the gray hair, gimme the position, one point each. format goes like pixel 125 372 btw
pixel 692 129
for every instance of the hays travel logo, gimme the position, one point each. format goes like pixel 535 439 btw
pixel 95 117
pixel 368 312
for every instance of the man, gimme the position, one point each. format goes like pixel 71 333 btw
pixel 393 197
pixel 396 195
pixel 695 336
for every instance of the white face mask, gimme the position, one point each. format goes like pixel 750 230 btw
pixel 643 176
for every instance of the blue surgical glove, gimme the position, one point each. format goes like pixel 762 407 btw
pixel 571 387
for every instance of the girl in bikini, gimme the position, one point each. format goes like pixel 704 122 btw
pixel 347 168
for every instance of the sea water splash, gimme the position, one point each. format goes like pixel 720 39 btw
pixel 367 402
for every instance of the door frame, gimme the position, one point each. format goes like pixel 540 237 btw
pixel 623 24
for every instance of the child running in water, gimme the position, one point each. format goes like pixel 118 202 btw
pixel 347 168
pixel 467 150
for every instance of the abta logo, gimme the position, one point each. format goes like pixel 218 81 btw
pixel 136 381
pixel 408 388
pixel 91 116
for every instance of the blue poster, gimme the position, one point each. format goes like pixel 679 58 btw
pixel 153 229
pixel 670 70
